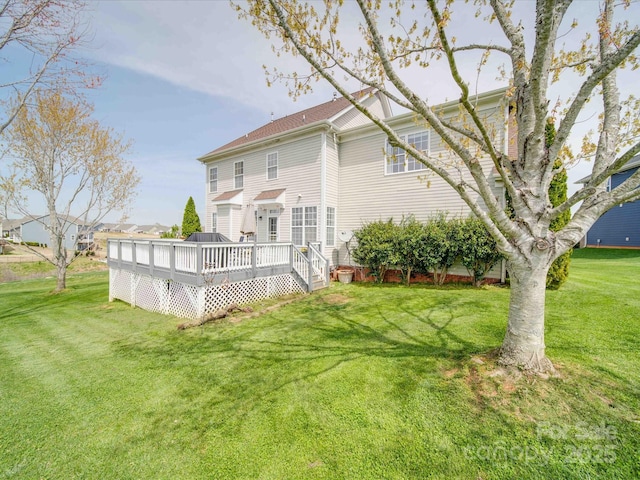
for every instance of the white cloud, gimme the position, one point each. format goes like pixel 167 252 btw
pixel 205 47
pixel 199 45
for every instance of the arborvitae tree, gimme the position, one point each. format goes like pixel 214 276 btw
pixel 190 219
pixel 559 270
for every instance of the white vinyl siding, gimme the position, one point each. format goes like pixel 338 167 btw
pixel 298 174
pixel 238 175
pixel 272 166
pixel 397 160
pixel 213 179
pixel 368 193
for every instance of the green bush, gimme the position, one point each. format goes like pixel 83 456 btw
pixel 376 248
pixel 409 247
pixel 173 233
pixel 478 250
pixel 435 246
pixel 441 248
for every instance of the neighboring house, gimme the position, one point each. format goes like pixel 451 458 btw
pixel 124 228
pixel 77 236
pixel 319 174
pixel 155 229
pixel 620 226
pixel 11 229
pixel 107 227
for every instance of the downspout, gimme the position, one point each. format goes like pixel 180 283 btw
pixel 323 191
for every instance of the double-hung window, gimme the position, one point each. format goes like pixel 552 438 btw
pixel 213 179
pixel 304 225
pixel 331 226
pixel 238 174
pixel 397 160
pixel 272 166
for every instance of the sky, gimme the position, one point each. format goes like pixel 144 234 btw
pixel 183 78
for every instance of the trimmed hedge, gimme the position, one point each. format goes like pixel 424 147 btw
pixel 434 246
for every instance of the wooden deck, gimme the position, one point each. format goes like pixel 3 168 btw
pixel 202 264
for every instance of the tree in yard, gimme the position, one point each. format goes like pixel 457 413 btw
pixel 45 32
pixel 190 219
pixel 73 163
pixel 394 39
pixel 173 233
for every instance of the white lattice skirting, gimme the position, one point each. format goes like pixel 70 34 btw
pixel 189 301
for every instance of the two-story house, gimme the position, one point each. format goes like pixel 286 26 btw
pixel 328 169
pixel 76 235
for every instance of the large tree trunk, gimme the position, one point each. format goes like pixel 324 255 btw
pixel 61 277
pixel 523 345
pixel 60 260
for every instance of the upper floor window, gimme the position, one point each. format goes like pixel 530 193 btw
pixel 213 179
pixel 238 174
pixel 272 166
pixel 609 184
pixel 397 160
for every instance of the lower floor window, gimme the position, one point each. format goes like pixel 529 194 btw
pixel 304 225
pixel 214 222
pixel 331 226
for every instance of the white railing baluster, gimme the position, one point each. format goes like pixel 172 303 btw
pixel 192 259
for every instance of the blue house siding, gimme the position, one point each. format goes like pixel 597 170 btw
pixel 620 226
pixel 35 231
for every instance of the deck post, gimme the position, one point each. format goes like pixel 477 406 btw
pixel 291 253
pixel 310 268
pixel 151 253
pixel 254 260
pixel 198 259
pixel 172 260
pixel 134 262
pixel 119 253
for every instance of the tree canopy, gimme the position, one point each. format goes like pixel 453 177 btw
pixel 73 164
pixel 48 32
pixel 382 45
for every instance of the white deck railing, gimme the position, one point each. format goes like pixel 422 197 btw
pixel 175 258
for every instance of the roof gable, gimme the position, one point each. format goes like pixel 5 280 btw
pixel 324 111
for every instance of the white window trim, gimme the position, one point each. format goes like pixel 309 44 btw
pixel 304 225
pixel 214 222
pixel 405 169
pixel 211 169
pixel 276 165
pixel 235 176
pixel 331 242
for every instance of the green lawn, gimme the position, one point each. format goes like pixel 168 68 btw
pixel 354 382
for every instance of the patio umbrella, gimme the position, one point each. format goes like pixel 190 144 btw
pixel 249 220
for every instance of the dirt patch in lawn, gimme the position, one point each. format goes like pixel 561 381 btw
pixel 336 299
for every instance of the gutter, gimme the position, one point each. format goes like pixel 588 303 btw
pixel 275 138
